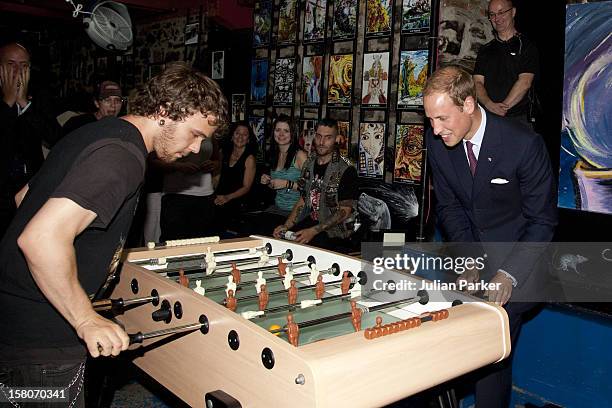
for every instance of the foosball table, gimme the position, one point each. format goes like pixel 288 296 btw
pixel 260 322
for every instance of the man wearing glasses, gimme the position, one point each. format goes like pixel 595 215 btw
pixel 108 101
pixel 506 66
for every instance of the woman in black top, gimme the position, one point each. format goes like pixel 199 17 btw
pixel 237 174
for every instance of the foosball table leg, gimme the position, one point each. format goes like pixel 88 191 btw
pixel 220 399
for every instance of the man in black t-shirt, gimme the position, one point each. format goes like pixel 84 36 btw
pixel 506 67
pixel 72 221
pixel 322 216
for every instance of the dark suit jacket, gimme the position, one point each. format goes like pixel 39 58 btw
pixel 472 209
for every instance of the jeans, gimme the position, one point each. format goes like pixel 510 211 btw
pixel 67 375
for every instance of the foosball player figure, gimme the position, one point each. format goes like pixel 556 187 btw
pixel 235 274
pixel 319 287
pixel 230 302
pixel 292 293
pixel 345 285
pixel 183 280
pixel 264 297
pixel 293 330
pixel 378 331
pixel 356 316
pixel 282 267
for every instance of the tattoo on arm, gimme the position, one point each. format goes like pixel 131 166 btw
pixel 337 218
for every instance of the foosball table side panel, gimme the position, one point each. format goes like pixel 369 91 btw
pixel 353 371
pixel 194 364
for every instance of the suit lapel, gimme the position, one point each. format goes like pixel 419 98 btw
pixel 490 154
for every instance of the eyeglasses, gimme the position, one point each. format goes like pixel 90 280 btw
pixel 493 16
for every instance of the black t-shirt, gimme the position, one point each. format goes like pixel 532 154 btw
pixel 347 189
pixel 100 167
pixel 76 122
pixel 501 62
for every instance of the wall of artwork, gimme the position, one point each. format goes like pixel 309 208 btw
pixel 361 62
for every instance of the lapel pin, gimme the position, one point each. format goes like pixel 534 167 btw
pixel 488 158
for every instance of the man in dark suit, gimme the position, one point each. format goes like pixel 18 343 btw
pixel 494 184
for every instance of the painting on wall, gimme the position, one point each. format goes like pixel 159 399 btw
pixel 586 138
pixel 192 32
pixel 408 153
pixel 371 150
pixel 314 20
pixel 374 88
pixel 344 138
pixel 345 19
pixel 379 17
pixel 262 23
pixel 340 84
pixel 413 67
pixel 258 124
pixel 287 21
pixel 238 107
pixel 463 28
pixel 312 69
pixel 307 133
pixel 218 64
pixel 259 81
pixel 415 16
pixel 284 77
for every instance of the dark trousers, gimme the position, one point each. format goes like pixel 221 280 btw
pixel 184 216
pixel 494 383
pixel 68 375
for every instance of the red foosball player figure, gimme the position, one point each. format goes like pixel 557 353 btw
pixel 293 330
pixel 282 267
pixel 264 297
pixel 345 285
pixel 183 280
pixel 230 302
pixel 235 273
pixel 292 293
pixel 378 331
pixel 319 287
pixel 356 315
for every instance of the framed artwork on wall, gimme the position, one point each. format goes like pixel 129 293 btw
pixel 312 71
pixel 345 19
pixel 379 18
pixel 315 20
pixel 259 81
pixel 408 153
pixel 413 67
pixel 284 78
pixel 340 80
pixel 262 23
pixel 415 16
pixel 375 81
pixel 287 21
pixel 371 161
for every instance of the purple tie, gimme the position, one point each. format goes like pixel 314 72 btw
pixel 471 157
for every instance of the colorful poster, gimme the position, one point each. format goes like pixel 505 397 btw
pixel 307 134
pixel 312 68
pixel 408 153
pixel 371 150
pixel 314 20
pixel 258 124
pixel 412 76
pixel 344 138
pixel 284 76
pixel 340 84
pixel 262 23
pixel 259 81
pixel 462 30
pixel 415 16
pixel 375 79
pixel 287 21
pixel 379 17
pixel 238 107
pixel 585 179
pixel 345 19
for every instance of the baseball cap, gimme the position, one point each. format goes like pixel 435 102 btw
pixel 108 88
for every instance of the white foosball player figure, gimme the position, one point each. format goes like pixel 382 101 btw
pixel 288 278
pixel 260 281
pixel 230 285
pixel 210 257
pixel 199 289
pixel 314 274
pixel 263 258
pixel 210 267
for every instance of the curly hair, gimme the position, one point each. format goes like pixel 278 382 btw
pixel 180 91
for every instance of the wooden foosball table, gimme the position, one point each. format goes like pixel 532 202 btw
pixel 311 337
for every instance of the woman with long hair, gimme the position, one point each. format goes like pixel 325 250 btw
pixel 237 175
pixel 286 161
